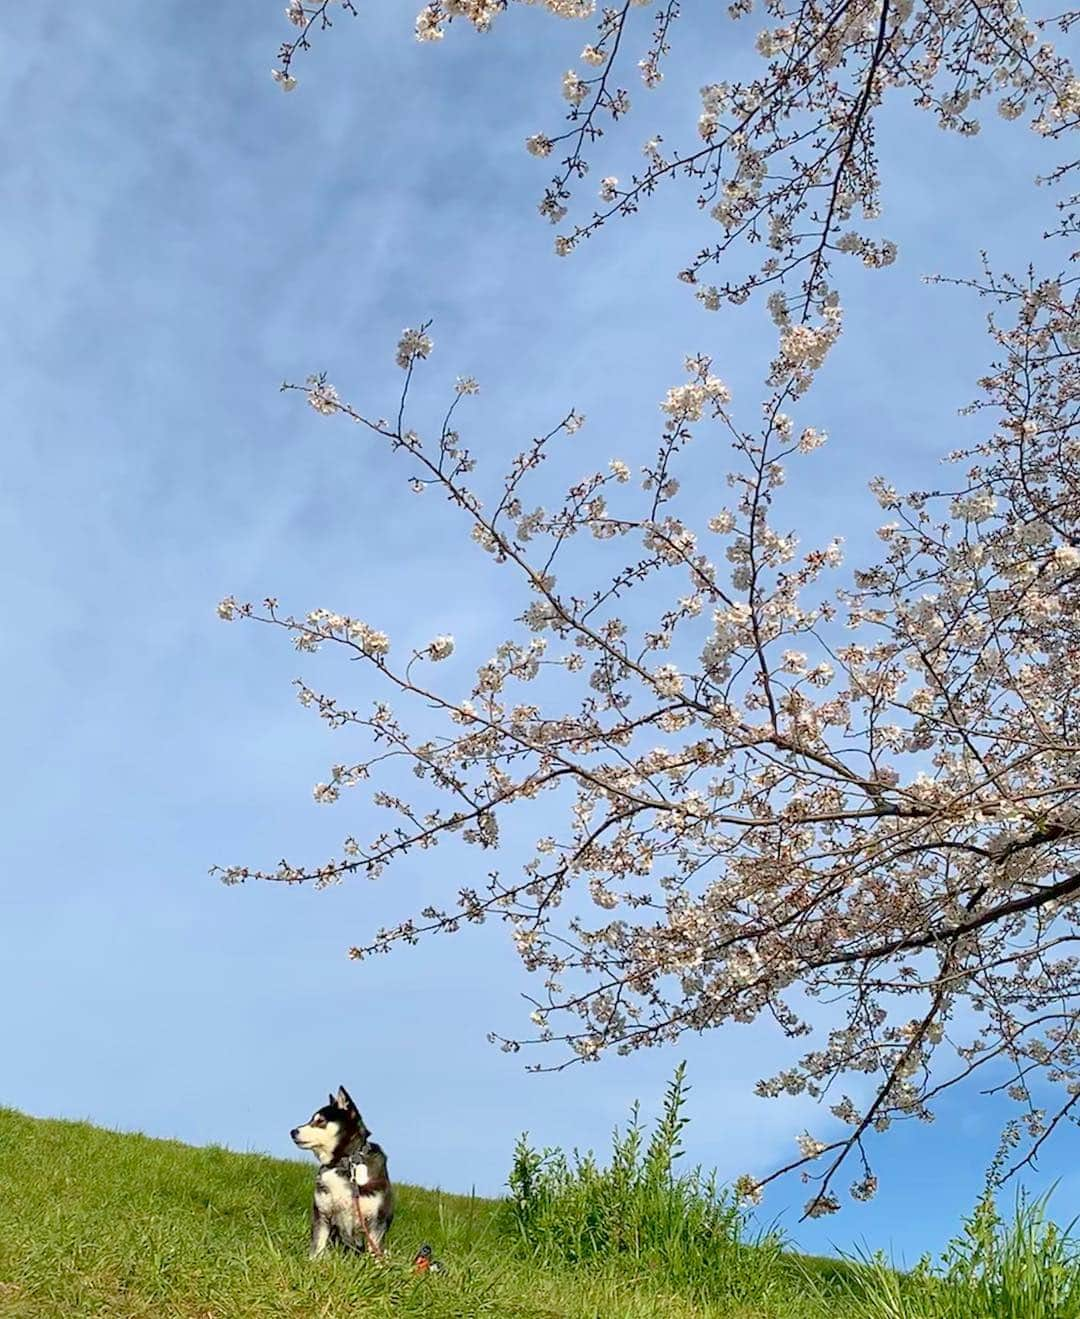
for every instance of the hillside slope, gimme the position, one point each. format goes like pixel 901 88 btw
pixel 102 1223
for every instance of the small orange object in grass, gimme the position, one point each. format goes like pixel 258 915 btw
pixel 423 1263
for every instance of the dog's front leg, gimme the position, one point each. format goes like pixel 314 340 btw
pixel 320 1233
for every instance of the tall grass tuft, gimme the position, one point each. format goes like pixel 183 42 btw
pixel 640 1210
pixel 1025 1268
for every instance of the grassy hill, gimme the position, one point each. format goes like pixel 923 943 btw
pixel 96 1222
pixel 103 1223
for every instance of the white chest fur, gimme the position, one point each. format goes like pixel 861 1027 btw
pixel 337 1200
pixel 334 1198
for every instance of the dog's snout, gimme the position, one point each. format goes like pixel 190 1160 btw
pixel 295 1132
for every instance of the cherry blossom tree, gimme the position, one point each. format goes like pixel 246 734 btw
pixel 764 783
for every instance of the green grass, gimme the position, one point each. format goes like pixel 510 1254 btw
pixel 95 1222
pixel 1026 1268
pixel 642 1210
pixel 101 1223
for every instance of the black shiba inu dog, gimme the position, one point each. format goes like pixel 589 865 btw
pixel 354 1201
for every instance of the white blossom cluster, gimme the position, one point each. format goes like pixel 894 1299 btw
pixel 415 345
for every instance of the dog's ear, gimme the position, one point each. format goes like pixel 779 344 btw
pixel 332 1102
pixel 344 1100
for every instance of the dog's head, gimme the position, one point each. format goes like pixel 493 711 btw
pixel 331 1128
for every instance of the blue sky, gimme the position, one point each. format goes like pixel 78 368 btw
pixel 178 238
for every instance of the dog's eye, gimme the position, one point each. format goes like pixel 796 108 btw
pixel 318 1121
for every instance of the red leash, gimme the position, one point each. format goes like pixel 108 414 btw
pixel 375 1249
